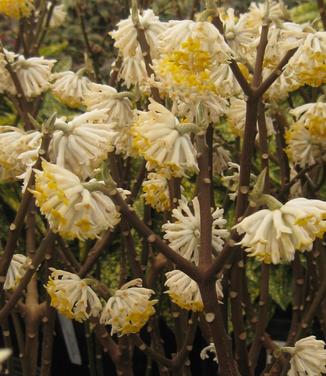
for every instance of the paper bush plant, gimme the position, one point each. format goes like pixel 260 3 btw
pixel 168 165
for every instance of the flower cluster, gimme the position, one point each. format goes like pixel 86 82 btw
pixel 17 268
pixel 71 209
pixel 70 88
pixel 16 9
pixel 72 296
pixel 306 138
pixel 186 69
pixel 129 309
pixel 308 356
pixel 156 192
pixel 184 233
pixel 18 150
pixel 133 70
pixel 83 143
pixel 273 236
pixel 33 74
pixel 184 292
pixel 164 142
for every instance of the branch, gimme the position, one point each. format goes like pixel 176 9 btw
pixel 214 318
pixel 322 11
pixel 132 218
pixel 275 74
pixel 262 316
pixel 204 197
pixel 145 49
pixel 37 259
pixel 16 226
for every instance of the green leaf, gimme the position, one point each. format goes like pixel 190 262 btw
pixel 63 64
pixel 280 285
pixel 53 49
pixel 304 12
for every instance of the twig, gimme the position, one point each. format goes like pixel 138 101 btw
pixel 275 74
pixel 182 263
pixel 145 49
pixel 80 11
pixel 262 316
pixel 280 126
pixel 37 259
pixel 322 11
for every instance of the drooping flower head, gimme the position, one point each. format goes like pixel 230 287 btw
pixel 6 83
pixel 308 63
pixel 72 296
pixel 184 291
pixel 33 74
pixel 308 357
pixel 126 35
pixel 273 236
pixel 184 233
pixel 129 309
pixel 70 88
pixel 156 192
pixel 17 268
pixel 105 97
pixel 186 72
pixel 241 37
pixel 59 15
pixel 277 11
pixel 164 142
pixel 18 149
pixel 71 209
pixel 133 71
pixel 81 144
pixel 306 138
pixel 16 8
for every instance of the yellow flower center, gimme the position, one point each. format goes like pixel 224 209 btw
pixel 16 8
pixel 189 67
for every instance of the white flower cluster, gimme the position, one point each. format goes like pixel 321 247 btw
pixel 273 236
pixel 71 209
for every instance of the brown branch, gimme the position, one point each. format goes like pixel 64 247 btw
pixel 236 294
pixel 204 197
pixel 145 49
pixel 42 34
pixel 89 50
pixel 47 342
pixel 275 74
pixel 33 310
pixel 262 316
pixel 131 249
pixel 280 127
pixel 260 56
pixel 297 177
pixel 322 11
pixel 21 98
pixel 214 318
pixel 95 252
pixel 132 218
pixel 178 360
pixel 37 259
pixel 261 323
pixel 216 21
pixel 16 227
